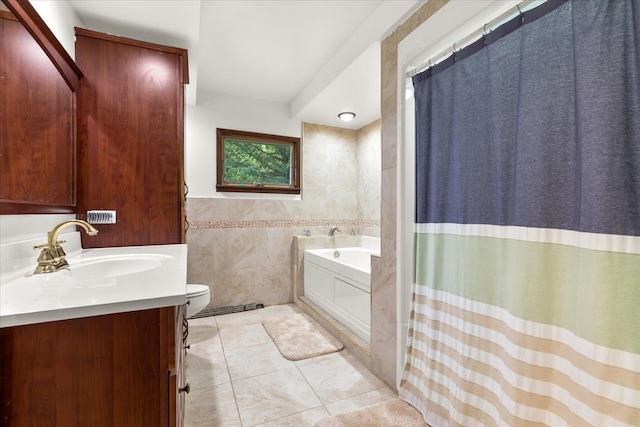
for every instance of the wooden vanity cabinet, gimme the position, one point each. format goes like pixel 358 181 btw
pixel 122 369
pixel 131 138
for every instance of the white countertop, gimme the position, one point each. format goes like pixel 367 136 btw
pixel 27 299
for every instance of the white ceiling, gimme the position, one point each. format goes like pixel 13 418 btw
pixel 319 56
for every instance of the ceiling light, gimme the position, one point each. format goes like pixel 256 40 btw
pixel 347 116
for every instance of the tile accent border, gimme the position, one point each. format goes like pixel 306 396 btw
pixel 284 223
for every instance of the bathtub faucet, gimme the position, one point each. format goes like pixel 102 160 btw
pixel 333 231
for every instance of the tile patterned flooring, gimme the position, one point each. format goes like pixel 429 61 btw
pixel 239 379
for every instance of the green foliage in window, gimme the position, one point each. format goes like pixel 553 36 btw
pixel 258 163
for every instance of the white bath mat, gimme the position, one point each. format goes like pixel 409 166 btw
pixel 298 337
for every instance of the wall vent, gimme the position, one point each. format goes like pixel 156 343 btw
pixel 101 217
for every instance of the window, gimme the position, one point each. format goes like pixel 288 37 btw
pixel 258 163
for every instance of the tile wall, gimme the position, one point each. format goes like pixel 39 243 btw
pixel 243 248
pixel 369 178
pixel 383 269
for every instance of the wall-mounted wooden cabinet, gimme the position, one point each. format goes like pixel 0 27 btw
pixel 130 138
pixel 37 116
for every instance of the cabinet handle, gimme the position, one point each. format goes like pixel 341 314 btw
pixel 185 389
pixel 187 347
pixel 185 330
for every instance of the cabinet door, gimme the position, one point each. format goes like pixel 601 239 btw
pixel 130 139
pixel 178 386
pixel 36 127
pixel 100 371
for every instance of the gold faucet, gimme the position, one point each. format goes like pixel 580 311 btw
pixel 51 258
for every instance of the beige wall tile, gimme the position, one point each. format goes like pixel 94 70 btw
pixel 383 344
pixel 274 209
pixel 389 134
pixel 239 248
pixel 389 204
pixel 200 253
pixel 234 286
pixel 275 246
pixel 386 267
pixel 275 285
pixel 369 167
pixel 389 58
pixel 383 356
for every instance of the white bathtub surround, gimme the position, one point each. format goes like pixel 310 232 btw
pixel 341 286
pixel 339 282
pixel 323 241
pixel 353 264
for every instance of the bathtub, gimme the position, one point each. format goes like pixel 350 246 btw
pixel 339 282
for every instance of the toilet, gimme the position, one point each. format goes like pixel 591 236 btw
pixel 197 299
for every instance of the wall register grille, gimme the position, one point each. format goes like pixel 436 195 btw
pixel 208 312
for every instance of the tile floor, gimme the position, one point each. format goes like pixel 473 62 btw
pixel 238 377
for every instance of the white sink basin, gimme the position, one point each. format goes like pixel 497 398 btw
pixel 96 282
pixel 116 265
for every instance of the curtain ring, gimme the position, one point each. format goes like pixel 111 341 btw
pixel 520 13
pixel 484 30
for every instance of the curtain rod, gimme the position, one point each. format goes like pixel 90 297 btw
pixel 518 9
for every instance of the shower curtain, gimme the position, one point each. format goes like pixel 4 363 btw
pixel 526 296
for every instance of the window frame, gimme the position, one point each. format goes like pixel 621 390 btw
pixel 223 186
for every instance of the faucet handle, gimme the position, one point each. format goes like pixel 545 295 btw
pixel 46 245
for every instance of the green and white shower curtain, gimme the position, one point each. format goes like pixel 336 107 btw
pixel 526 302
